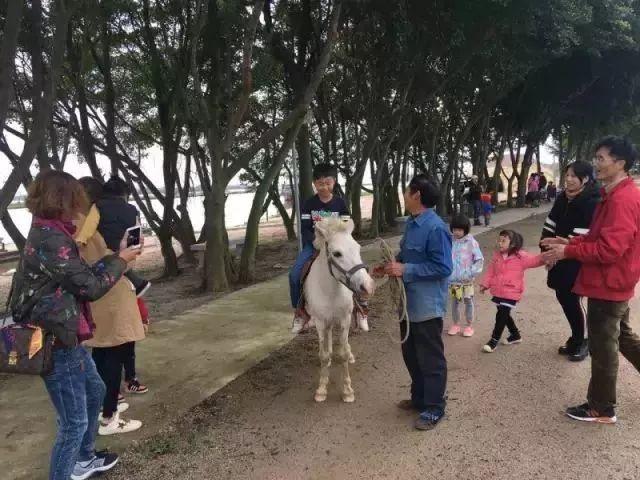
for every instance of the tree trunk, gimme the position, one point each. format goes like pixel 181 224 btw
pixel 248 257
pixel 305 164
pixel 495 182
pixel 377 180
pixel 527 161
pixel 187 235
pixel 42 111
pixel 168 253
pixel 165 234
pixel 16 236
pixel 562 157
pixel 510 190
pixel 215 274
pixel 356 208
pixel 288 221
pixel 444 204
pixel 7 56
pixel 403 171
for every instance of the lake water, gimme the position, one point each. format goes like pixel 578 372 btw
pixel 237 211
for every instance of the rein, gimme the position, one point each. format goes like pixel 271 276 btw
pixel 348 274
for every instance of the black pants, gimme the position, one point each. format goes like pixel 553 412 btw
pixel 503 319
pixel 129 361
pixel 570 303
pixel 423 354
pixel 109 362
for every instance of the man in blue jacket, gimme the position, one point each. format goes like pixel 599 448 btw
pixel 424 263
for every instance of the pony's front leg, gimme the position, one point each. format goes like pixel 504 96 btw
pixel 350 356
pixel 344 353
pixel 324 347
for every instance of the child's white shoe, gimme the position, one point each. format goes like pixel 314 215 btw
pixel 116 425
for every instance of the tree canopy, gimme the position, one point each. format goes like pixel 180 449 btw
pixel 384 87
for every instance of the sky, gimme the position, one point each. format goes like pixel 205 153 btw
pixel 151 165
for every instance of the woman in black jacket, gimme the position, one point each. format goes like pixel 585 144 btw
pixel 571 216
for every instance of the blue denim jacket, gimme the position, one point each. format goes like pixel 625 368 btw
pixel 425 251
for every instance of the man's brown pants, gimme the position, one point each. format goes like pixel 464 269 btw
pixel 609 331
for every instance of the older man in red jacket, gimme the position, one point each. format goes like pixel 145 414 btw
pixel 610 256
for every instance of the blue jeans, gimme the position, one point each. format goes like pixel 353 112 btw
pixel 295 274
pixel 76 391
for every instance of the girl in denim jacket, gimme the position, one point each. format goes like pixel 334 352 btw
pixel 467 265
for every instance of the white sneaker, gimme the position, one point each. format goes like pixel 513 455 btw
pixel 363 322
pixel 117 425
pixel 298 325
pixel 122 407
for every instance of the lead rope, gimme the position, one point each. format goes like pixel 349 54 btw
pixel 398 293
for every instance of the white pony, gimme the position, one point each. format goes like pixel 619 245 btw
pixel 334 277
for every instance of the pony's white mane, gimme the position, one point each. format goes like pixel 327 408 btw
pixel 329 226
pixel 334 225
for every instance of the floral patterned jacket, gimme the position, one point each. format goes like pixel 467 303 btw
pixel 52 282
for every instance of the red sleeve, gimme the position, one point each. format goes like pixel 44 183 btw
pixel 614 239
pixel 531 261
pixel 577 240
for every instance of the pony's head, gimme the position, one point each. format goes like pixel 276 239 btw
pixel 333 236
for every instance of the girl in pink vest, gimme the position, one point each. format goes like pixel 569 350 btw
pixel 505 281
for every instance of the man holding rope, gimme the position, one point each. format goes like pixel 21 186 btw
pixel 424 264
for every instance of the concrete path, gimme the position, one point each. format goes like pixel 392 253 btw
pixel 183 360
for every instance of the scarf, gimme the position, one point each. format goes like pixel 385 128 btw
pixel 64 226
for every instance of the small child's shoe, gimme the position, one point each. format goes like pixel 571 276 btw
pixel 491 346
pixel 134 386
pixel 454 330
pixel 468 331
pixel 116 425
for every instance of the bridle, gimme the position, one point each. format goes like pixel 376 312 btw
pixel 348 274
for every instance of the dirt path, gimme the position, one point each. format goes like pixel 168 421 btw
pixel 504 414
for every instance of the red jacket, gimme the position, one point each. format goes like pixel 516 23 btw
pixel 610 251
pixel 144 311
pixel 505 276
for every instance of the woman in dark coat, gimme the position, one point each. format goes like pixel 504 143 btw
pixel 52 289
pixel 571 216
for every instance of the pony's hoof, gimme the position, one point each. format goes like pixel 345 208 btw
pixel 348 398
pixel 320 397
pixel 352 359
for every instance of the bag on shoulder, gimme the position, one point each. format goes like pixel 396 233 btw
pixel 24 348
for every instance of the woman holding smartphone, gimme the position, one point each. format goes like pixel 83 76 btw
pixel 118 325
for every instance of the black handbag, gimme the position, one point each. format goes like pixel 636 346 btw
pixel 24 348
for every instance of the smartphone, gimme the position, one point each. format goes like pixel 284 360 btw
pixel 133 236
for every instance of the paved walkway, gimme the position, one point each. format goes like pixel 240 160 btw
pixel 184 361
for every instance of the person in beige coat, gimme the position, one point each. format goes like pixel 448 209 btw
pixel 118 323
